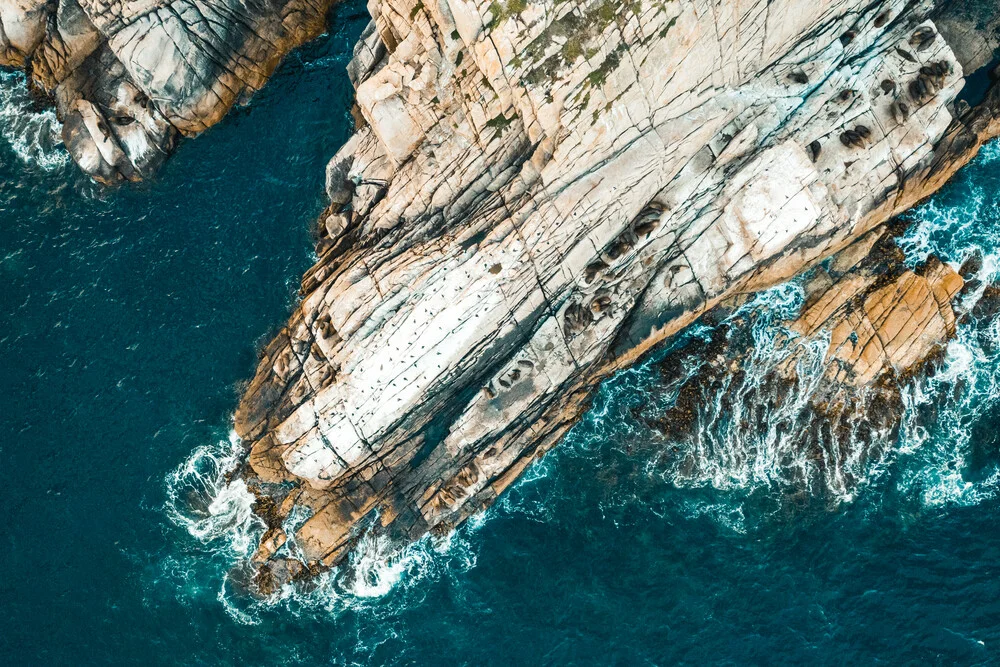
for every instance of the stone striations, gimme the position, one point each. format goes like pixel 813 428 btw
pixel 538 193
pixel 128 77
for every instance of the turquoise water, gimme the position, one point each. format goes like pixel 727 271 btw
pixel 129 318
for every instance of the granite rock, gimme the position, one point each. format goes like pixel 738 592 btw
pixel 538 193
pixel 824 403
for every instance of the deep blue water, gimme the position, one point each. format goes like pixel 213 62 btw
pixel 129 317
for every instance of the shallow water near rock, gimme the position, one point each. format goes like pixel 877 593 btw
pixel 130 317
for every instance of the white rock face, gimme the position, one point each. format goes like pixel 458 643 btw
pixel 542 191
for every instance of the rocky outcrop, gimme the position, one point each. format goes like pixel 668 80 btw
pixel 881 318
pixel 825 404
pixel 540 192
pixel 128 78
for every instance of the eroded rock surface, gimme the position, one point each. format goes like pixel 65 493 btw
pixel 540 192
pixel 129 77
pixel 825 403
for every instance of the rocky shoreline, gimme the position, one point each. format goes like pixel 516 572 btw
pixel 828 399
pixel 128 79
pixel 536 195
pixel 508 229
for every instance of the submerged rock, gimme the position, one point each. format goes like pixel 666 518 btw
pixel 538 193
pixel 827 402
pixel 128 78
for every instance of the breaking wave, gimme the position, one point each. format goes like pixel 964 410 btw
pixel 201 500
pixel 218 513
pixel 938 450
pixel 937 459
pixel 735 474
pixel 730 449
pixel 35 136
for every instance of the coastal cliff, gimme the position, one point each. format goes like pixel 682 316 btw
pixel 128 78
pixel 538 193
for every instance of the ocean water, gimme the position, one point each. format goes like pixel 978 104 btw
pixel 128 319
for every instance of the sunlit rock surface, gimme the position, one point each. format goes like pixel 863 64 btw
pixel 538 193
pixel 128 78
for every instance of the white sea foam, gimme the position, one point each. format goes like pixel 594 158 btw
pixel 379 578
pixel 35 136
pixel 377 566
pixel 929 464
pixel 931 460
pixel 728 515
pixel 212 509
pixel 730 453
pixel 218 514
pixel 729 450
pixel 934 456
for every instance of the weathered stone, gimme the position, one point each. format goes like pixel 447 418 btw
pixel 545 191
pixel 880 324
pixel 128 78
pixel 823 418
pixel 278 572
pixel 272 540
pixel 973 31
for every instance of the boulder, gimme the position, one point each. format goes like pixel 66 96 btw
pixel 128 79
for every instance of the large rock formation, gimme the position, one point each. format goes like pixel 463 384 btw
pixel 538 193
pixel 128 77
